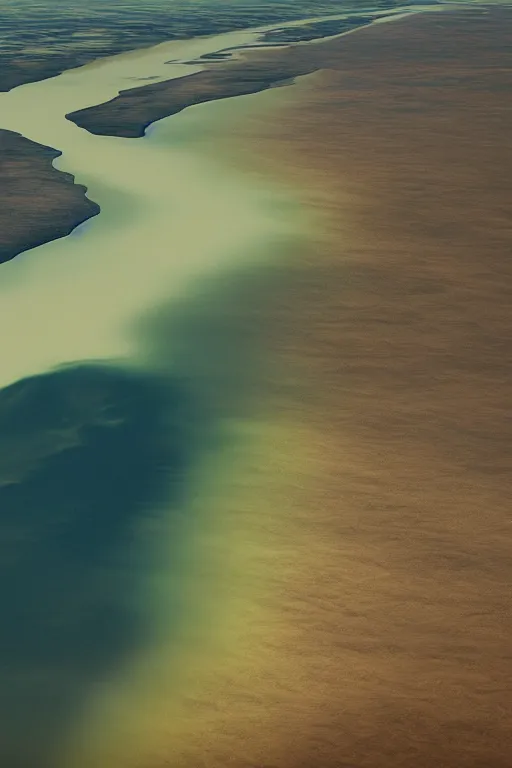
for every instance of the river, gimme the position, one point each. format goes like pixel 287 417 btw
pixel 78 497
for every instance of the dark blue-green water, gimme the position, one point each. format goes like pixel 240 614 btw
pixel 87 453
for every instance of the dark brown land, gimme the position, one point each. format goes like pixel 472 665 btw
pixel 398 322
pixel 38 203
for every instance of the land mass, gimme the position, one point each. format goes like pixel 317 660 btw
pixel 38 203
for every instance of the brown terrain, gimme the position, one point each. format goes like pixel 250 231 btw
pixel 400 321
pixel 38 203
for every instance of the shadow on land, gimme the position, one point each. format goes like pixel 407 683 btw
pixel 87 453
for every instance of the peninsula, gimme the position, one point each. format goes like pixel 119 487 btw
pixel 38 203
